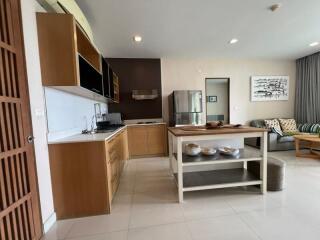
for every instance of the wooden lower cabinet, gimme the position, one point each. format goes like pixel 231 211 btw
pixel 116 155
pixel 137 140
pixel 85 175
pixel 147 140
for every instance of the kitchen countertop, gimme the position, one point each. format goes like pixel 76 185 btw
pixel 96 137
pixel 145 124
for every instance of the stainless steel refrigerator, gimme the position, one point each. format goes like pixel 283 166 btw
pixel 185 108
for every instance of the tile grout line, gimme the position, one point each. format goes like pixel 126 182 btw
pixel 133 192
pixel 94 235
pixel 68 232
pixel 251 229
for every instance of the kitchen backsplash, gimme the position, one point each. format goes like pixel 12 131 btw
pixel 68 114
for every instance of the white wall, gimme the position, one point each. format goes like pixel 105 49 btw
pixel 39 122
pixel 190 74
pixel 68 114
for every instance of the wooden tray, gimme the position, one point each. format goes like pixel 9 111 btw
pixel 204 128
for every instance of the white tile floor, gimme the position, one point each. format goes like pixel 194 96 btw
pixel 145 207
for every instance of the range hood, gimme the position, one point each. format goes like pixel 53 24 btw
pixel 145 94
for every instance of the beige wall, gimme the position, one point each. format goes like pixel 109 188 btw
pixel 190 74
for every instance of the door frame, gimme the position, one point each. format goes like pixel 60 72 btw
pixel 228 79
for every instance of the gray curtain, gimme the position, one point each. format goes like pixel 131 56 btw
pixel 307 103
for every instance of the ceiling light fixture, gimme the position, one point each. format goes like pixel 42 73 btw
pixel 137 38
pixel 314 44
pixel 233 41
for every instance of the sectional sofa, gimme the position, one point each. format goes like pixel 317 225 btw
pixel 277 142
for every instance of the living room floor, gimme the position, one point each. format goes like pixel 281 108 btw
pixel 145 207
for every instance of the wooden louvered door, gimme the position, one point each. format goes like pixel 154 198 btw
pixel 19 205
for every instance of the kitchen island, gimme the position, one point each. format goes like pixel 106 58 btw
pixel 226 176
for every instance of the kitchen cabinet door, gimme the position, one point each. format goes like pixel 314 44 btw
pixel 79 179
pixel 105 78
pixel 90 78
pixel 157 143
pixel 138 144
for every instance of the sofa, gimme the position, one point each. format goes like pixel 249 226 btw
pixel 277 142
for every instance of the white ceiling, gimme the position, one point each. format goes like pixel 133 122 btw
pixel 203 28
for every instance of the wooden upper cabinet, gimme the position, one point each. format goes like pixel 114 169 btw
pixel 58 49
pixel 69 61
pixel 87 50
pixel 116 88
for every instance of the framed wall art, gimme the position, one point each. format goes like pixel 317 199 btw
pixel 269 88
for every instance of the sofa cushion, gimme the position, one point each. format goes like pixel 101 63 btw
pixel 274 125
pixel 286 134
pixel 285 139
pixel 309 127
pixel 288 125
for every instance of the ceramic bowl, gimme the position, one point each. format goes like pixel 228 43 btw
pixel 208 151
pixel 229 151
pixel 192 149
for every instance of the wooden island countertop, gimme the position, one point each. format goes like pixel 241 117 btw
pixel 196 131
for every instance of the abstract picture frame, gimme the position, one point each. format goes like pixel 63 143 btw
pixel 269 88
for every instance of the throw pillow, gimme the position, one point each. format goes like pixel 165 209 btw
pixel 288 125
pixel 273 124
pixel 309 127
pixel 274 130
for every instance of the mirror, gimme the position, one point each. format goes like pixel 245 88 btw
pixel 217 99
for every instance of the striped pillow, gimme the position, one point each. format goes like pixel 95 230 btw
pixel 275 130
pixel 309 127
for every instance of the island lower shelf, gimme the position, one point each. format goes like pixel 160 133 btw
pixel 202 180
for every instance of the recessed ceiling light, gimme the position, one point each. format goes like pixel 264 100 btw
pixel 137 38
pixel 233 41
pixel 275 7
pixel 314 44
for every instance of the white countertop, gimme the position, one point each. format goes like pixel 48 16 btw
pixel 96 137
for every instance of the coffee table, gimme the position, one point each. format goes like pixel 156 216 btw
pixel 311 142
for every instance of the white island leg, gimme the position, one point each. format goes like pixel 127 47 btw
pixel 263 165
pixel 180 170
pixel 170 142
